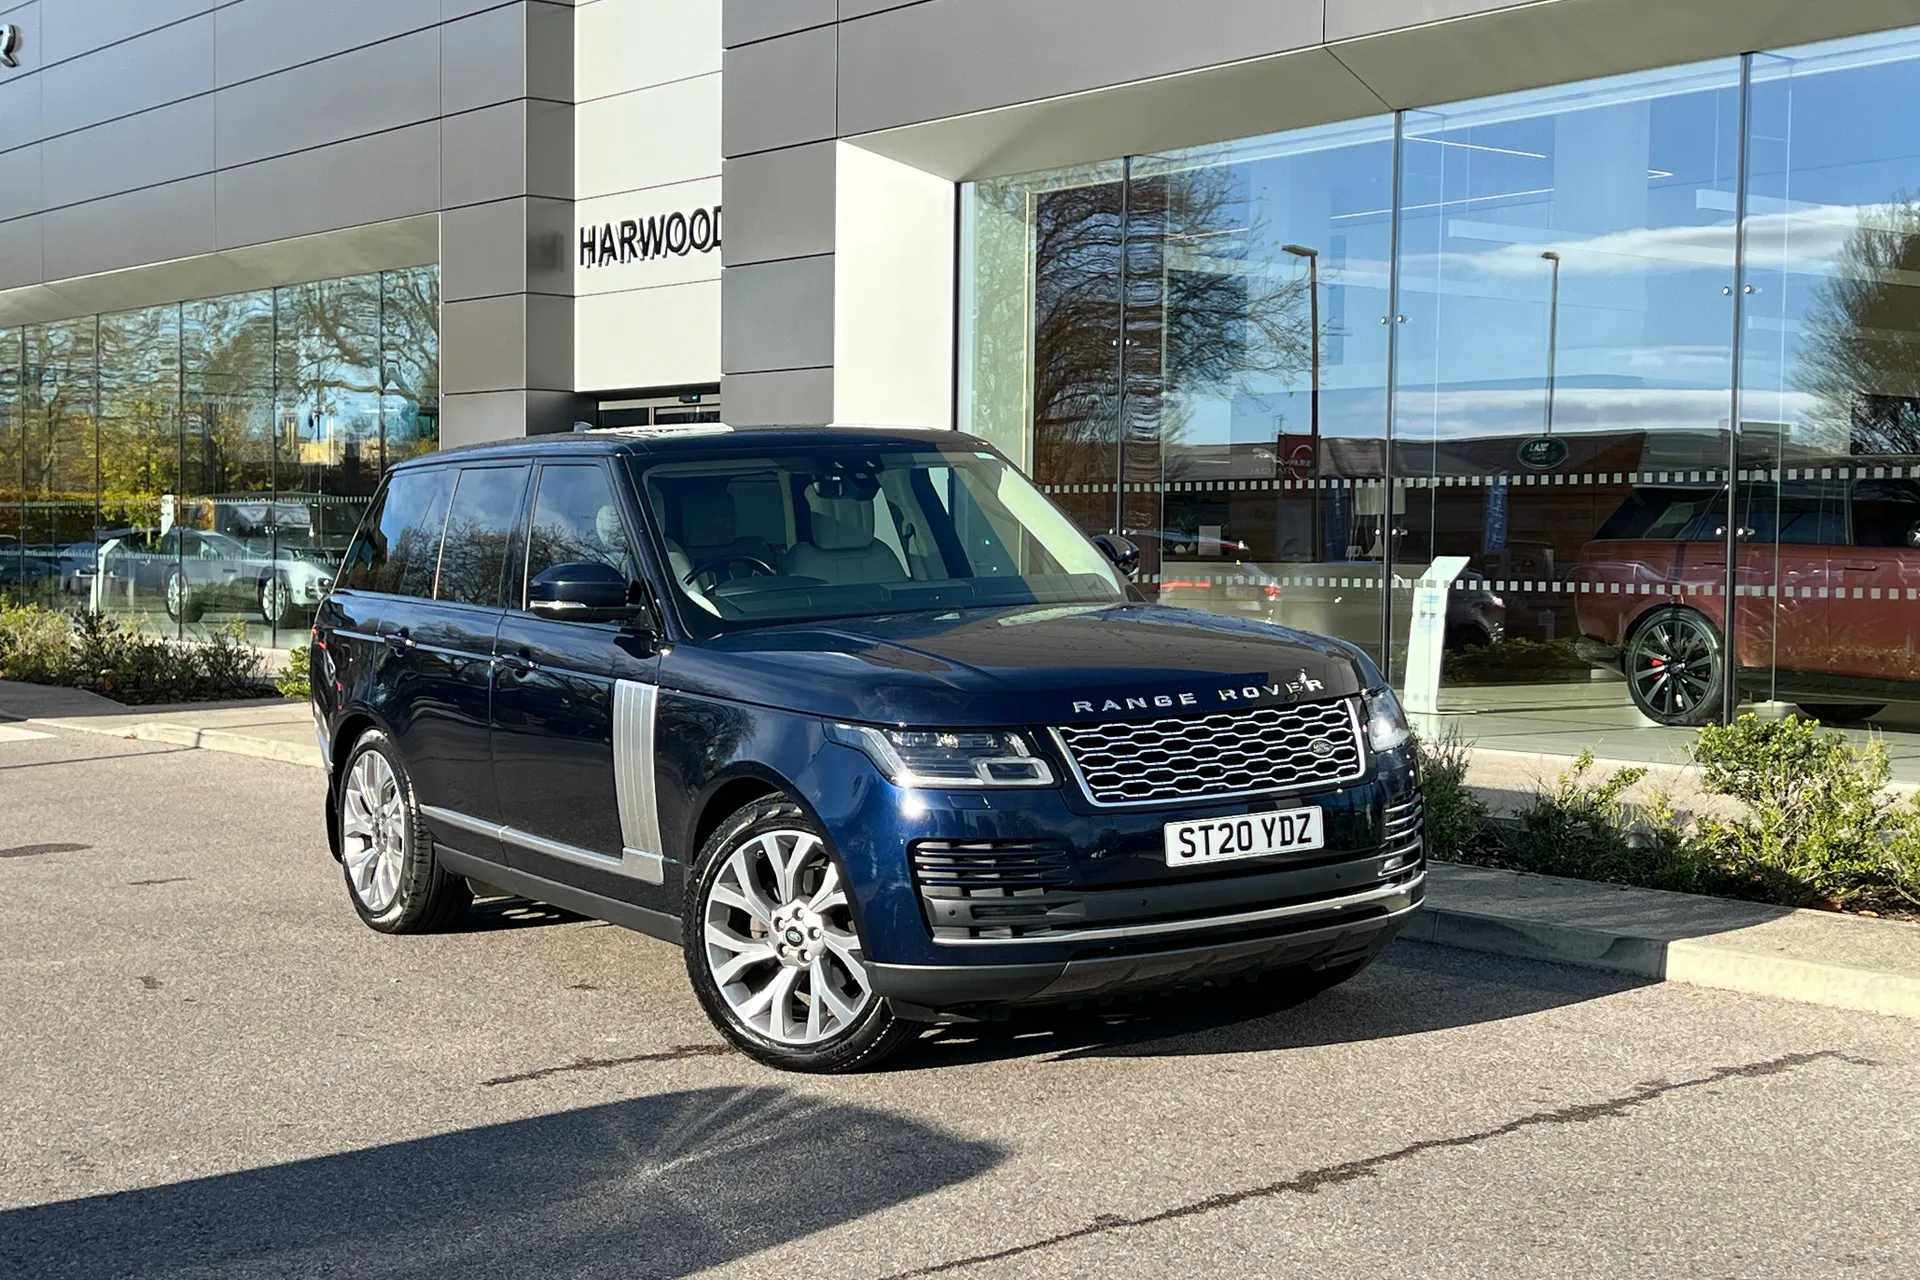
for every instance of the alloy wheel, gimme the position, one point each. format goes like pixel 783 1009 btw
pixel 273 601
pixel 779 940
pixel 176 594
pixel 1674 665
pixel 373 824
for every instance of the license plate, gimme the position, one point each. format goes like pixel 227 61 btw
pixel 1257 835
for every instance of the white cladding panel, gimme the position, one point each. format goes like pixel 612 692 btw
pixel 663 337
pixel 646 148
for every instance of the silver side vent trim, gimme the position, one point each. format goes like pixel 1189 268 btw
pixel 635 715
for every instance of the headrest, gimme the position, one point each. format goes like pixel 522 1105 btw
pixel 840 524
pixel 607 526
pixel 707 517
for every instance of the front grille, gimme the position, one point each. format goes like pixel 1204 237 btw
pixel 1230 753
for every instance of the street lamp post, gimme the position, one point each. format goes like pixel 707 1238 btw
pixel 1553 333
pixel 1313 324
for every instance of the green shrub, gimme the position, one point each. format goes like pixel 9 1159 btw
pixel 33 644
pixel 295 679
pixel 1455 815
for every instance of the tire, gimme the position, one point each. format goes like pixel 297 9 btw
pixel 1841 712
pixel 1675 667
pixel 394 879
pixel 275 602
pixel 181 604
pixel 768 871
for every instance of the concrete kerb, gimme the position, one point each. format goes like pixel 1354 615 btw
pixel 186 735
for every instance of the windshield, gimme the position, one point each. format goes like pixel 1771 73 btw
pixel 851 530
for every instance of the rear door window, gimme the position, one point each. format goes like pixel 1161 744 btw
pixel 480 524
pixel 397 551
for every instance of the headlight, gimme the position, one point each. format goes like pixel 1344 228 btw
pixel 947 757
pixel 1386 722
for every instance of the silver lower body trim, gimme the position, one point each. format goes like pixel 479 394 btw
pixel 650 868
pixel 1160 928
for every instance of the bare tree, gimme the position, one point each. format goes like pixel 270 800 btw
pixel 1860 357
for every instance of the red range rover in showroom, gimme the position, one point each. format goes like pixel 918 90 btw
pixel 1827 594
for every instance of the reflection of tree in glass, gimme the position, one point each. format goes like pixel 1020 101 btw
pixel 557 544
pixel 1860 357
pixel 1202 310
pixel 470 561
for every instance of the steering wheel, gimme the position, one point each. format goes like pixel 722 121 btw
pixel 718 562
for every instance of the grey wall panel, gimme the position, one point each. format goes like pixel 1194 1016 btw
pixel 550 245
pixel 743 21
pixel 20 107
pixel 388 175
pixel 163 66
pixel 483 344
pixel 777 315
pixel 383 86
pixel 70 28
pixel 547 412
pixel 779 93
pixel 947 57
pixel 172 221
pixel 476 417
pixel 258 37
pixel 143 150
pixel 20 259
pixel 484 59
pixel 549 65
pixel 1349 18
pixel 549 148
pixel 789 398
pixel 483 250
pixel 780 204
pixel 484 155
pixel 20 189
pixel 861 8
pixel 549 328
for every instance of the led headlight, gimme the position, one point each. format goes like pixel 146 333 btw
pixel 947 757
pixel 1386 722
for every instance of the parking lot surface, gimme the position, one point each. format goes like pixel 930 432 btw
pixel 211 1068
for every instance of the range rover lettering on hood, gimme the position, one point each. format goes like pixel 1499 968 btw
pixel 1219 697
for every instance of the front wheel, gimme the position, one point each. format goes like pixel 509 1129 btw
pixel 182 606
pixel 772 951
pixel 276 603
pixel 393 875
pixel 1675 667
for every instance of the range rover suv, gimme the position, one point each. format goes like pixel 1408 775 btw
pixel 855 715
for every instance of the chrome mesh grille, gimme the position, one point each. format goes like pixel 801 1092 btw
pixel 1229 753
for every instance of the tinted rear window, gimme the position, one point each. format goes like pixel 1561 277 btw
pixel 1666 514
pixel 397 550
pixel 479 525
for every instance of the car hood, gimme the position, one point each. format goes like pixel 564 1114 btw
pixel 1023 666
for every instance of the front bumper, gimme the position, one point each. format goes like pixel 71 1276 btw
pixel 1315 934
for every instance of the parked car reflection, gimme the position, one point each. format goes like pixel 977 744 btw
pixel 194 572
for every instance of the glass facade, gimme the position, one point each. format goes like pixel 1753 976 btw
pixel 193 464
pixel 1535 349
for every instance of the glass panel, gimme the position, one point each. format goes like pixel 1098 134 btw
pixel 139 464
pixel 410 346
pixel 576 519
pixel 327 369
pixel 1257 372
pixel 12 459
pixel 226 575
pixel 1563 393
pixel 1830 378
pixel 1040 330
pixel 59 448
pixel 486 503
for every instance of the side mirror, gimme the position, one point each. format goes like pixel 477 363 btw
pixel 580 591
pixel 1124 552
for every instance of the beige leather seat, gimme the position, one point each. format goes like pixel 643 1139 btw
pixel 842 549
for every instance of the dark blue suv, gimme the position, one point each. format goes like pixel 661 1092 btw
pixel 855 715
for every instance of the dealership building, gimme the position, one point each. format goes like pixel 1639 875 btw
pixel 1602 314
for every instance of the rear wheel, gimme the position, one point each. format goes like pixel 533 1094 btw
pixel 393 875
pixel 1841 712
pixel 1675 667
pixel 181 604
pixel 772 951
pixel 276 603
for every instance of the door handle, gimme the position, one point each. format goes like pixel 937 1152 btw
pixel 400 641
pixel 520 661
pixel 1864 568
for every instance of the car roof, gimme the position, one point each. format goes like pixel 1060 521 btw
pixel 706 438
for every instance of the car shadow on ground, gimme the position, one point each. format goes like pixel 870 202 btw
pixel 1412 988
pixel 490 915
pixel 657 1187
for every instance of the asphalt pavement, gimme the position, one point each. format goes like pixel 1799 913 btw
pixel 209 1067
